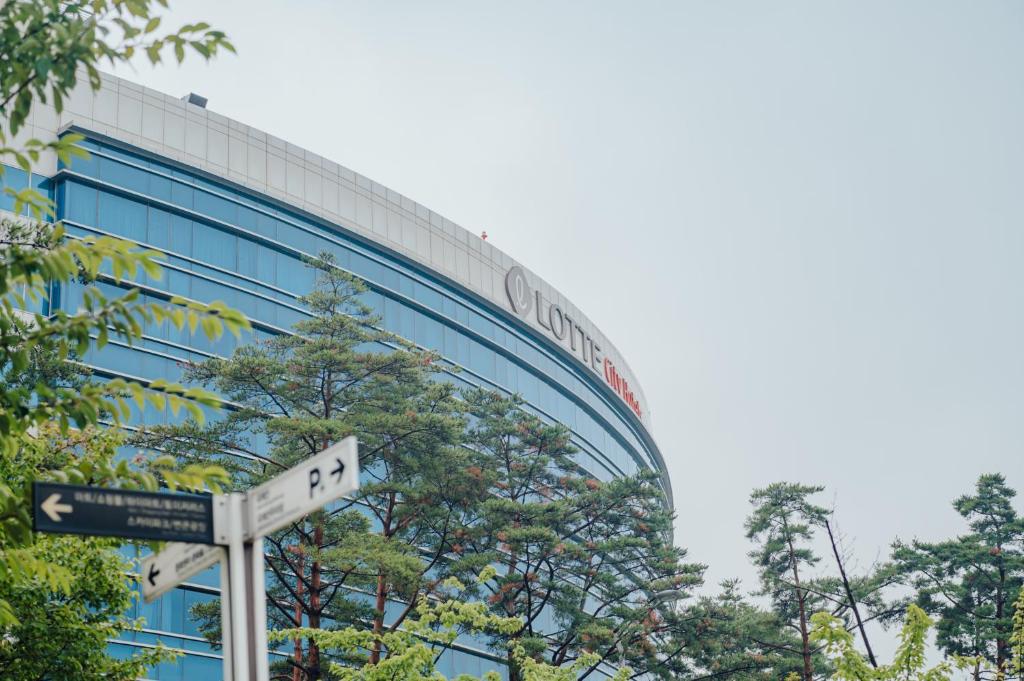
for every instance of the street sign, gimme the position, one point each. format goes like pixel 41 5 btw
pixel 163 571
pixel 206 529
pixel 162 516
pixel 303 488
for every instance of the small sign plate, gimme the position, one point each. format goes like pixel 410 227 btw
pixel 160 516
pixel 163 571
pixel 303 488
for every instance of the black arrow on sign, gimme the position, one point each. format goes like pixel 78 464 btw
pixel 153 572
pixel 339 471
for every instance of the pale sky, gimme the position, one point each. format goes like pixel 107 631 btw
pixel 800 222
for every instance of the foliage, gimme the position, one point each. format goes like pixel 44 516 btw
pixel 438 499
pixel 1016 664
pixel 47 45
pixel 587 566
pixel 61 597
pixel 970 582
pixel 66 596
pixel 909 663
pixel 296 394
pixel 736 639
pixel 413 650
pixel 782 522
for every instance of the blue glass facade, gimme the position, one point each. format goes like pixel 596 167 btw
pixel 225 243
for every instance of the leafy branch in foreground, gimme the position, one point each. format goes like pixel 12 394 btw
pixel 411 652
pixel 63 597
pixel 909 663
pixel 46 46
pixel 27 273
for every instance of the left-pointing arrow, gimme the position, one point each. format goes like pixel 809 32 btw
pixel 53 508
pixel 153 572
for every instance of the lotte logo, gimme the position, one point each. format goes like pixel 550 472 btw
pixel 519 293
pixel 568 332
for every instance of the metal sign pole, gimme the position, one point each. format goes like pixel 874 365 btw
pixel 198 525
pixel 258 616
pixel 237 590
pixel 226 627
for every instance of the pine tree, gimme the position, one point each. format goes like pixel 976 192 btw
pixel 736 639
pixel 585 565
pixel 339 375
pixel 782 523
pixel 971 582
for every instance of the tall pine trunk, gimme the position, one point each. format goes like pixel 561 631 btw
pixel 299 609
pixel 1002 644
pixel 805 639
pixel 314 602
pixel 381 601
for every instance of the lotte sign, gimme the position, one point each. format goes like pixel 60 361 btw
pixel 560 325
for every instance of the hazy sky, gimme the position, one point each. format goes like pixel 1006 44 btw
pixel 801 222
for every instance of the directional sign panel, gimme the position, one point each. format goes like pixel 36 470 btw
pixel 163 571
pixel 77 509
pixel 303 488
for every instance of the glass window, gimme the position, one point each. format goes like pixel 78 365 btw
pixel 200 668
pixel 406 323
pixel 462 349
pixel 13 178
pixel 429 333
pixel 123 175
pixel 88 166
pixel 193 598
pixel 427 296
pixel 405 286
pixel 81 203
pixel 481 325
pixel 266 265
pixel 391 314
pixel 214 246
pixel 342 257
pixel 247 219
pixel 181 235
pixel 481 360
pixel 122 216
pixel 266 225
pixel 160 187
pixel 182 195
pixel 216 207
pixel 247 258
pixel 158 231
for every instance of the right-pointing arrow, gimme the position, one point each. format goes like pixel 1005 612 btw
pixel 339 471
pixel 53 508
pixel 153 572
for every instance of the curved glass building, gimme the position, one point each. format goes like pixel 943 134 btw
pixel 235 210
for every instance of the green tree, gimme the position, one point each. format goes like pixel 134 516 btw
pixel 67 582
pixel 588 567
pixel 909 663
pixel 434 626
pixel 782 524
pixel 970 583
pixel 43 46
pixel 736 639
pixel 67 595
pixel 294 396
pixel 1016 667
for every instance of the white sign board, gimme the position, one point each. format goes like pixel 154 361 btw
pixel 303 488
pixel 163 571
